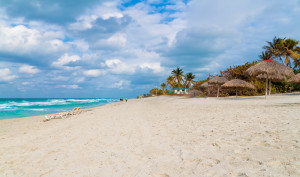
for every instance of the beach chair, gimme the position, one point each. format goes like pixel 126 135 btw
pixel 78 110
pixel 73 112
pixel 53 116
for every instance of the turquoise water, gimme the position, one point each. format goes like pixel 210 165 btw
pixel 16 108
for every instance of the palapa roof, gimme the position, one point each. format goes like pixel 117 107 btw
pixel 237 83
pixel 204 85
pixel 269 67
pixel 273 77
pixel 295 79
pixel 217 80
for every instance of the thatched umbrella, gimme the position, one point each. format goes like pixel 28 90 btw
pixel 205 85
pixel 237 83
pixel 295 79
pixel 273 77
pixel 269 67
pixel 219 81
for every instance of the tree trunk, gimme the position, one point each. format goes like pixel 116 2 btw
pixel 270 87
pixel 236 92
pixel 266 87
pixel 218 91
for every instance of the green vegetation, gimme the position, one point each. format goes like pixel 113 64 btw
pixel 283 50
pixel 189 79
pixel 178 74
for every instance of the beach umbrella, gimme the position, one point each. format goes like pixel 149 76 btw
pixel 276 78
pixel 218 81
pixel 273 77
pixel 205 85
pixel 270 68
pixel 295 79
pixel 237 84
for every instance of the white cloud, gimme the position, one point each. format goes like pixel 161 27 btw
pixel 210 67
pixel 18 37
pixel 105 11
pixel 60 78
pixel 81 79
pixel 155 67
pixel 69 86
pixel 94 72
pixel 53 35
pixel 65 59
pixel 118 67
pixel 5 75
pixel 147 28
pixel 24 40
pixel 84 22
pixel 69 68
pixel 122 84
pixel 111 15
pixel 26 83
pixel 80 45
pixel 28 69
pixel 117 40
pixel 111 63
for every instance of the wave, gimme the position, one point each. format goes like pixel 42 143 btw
pixel 51 102
pixel 93 100
pixel 32 103
pixel 37 109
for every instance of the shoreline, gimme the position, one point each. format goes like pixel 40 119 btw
pixel 174 96
pixel 179 96
pixel 159 137
pixel 43 115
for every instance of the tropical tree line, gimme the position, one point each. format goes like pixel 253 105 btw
pixel 282 50
pixel 180 80
pixel 176 80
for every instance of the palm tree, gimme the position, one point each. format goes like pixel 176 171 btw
pixel 274 48
pixel 297 62
pixel 265 55
pixel 178 74
pixel 170 81
pixel 189 79
pixel 290 50
pixel 163 86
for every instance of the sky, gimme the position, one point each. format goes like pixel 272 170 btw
pixel 123 48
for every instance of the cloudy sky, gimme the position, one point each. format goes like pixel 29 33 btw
pixel 122 48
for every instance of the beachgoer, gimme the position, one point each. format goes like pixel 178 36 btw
pixel 126 99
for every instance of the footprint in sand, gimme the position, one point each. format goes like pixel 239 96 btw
pixel 162 175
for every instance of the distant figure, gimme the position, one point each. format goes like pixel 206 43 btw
pixel 121 99
pixel 126 99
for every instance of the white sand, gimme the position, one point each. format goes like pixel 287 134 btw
pixel 164 136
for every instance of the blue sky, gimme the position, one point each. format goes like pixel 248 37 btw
pixel 123 48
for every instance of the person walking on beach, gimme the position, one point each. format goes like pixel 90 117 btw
pixel 126 99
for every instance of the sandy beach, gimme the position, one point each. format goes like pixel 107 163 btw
pixel 159 137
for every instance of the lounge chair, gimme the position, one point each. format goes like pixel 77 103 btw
pixel 78 110
pixel 72 112
pixel 53 116
pixel 63 114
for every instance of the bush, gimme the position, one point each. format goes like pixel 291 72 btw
pixel 155 90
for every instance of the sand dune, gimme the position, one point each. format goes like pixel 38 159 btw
pixel 160 137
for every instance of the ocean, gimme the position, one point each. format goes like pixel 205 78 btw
pixel 25 107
